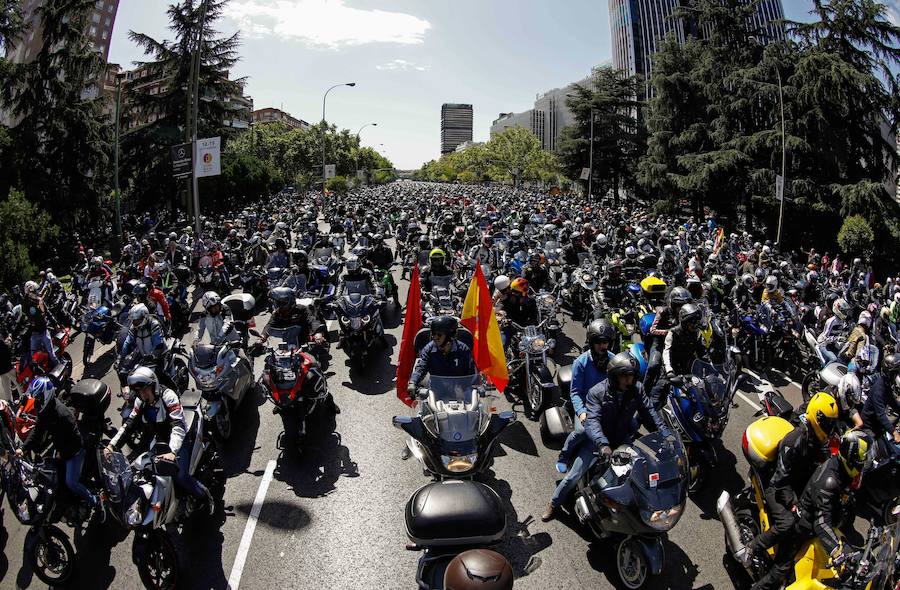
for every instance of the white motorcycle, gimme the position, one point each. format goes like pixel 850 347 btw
pixel 224 376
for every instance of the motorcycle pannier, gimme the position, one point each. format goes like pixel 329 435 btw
pixel 761 439
pixel 455 512
pixel 556 424
pixel 241 306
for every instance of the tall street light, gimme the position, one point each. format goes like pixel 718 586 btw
pixel 358 146
pixel 351 85
pixel 783 151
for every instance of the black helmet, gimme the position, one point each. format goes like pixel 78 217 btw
pixel 678 297
pixel 600 330
pixel 689 315
pixel 621 364
pixel 300 256
pixel 890 367
pixel 478 569
pixel 280 244
pixel 446 325
pixel 282 297
pixel 139 290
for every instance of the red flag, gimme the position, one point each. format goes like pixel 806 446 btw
pixel 412 323
pixel 479 318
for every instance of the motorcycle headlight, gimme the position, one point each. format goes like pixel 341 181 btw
pixel 344 320
pixel 366 319
pixel 537 345
pixel 134 516
pixel 459 463
pixel 662 520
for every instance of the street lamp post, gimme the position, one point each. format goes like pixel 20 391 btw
pixel 358 146
pixel 783 158
pixel 351 85
pixel 195 80
pixel 117 237
pixel 590 151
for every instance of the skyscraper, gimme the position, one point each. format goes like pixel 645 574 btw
pixel 456 126
pixel 98 29
pixel 639 28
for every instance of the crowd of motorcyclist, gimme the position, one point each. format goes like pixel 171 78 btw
pixel 588 257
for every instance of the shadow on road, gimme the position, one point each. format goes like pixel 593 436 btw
pixel 678 572
pixel 724 477
pixel 376 377
pixel 519 546
pixel 204 545
pixel 101 365
pixel 517 438
pixel 237 452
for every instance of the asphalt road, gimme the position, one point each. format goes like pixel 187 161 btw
pixel 333 518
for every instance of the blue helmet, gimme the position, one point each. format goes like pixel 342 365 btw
pixel 43 390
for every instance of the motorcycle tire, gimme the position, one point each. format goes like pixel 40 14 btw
pixel 534 399
pixel 158 565
pixel 810 385
pixel 181 374
pixel 50 555
pixel 211 473
pixel 222 422
pixel 631 564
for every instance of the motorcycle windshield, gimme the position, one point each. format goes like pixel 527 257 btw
pixel 657 474
pixel 322 255
pixel 452 388
pixel 205 355
pixel 117 475
pixel 356 287
pixel 288 334
pixel 710 392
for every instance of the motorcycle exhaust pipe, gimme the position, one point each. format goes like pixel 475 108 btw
pixel 726 516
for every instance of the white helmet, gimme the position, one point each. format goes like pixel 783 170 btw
pixel 31 288
pixel 766 250
pixel 515 234
pixel 502 282
pixel 210 298
pixel 841 308
pixel 139 315
pixel 771 282
pixel 51 278
pixel 865 319
pixel 601 240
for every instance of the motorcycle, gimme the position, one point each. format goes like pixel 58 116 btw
pixel 698 409
pixel 442 300
pixel 454 433
pixel 254 281
pixel 443 518
pixel 634 501
pixel 39 363
pixel 526 358
pixel 294 383
pixel 224 377
pixel 359 318
pixel 548 303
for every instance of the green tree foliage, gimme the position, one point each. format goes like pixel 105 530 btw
pixel 244 178
pixel 19 217
pixel 513 155
pixel 61 138
pixel 146 161
pixel 619 137
pixel 338 185
pixel 856 236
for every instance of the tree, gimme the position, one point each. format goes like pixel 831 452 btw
pixel 61 138
pixel 161 120
pixel 17 253
pixel 619 138
pixel 338 185
pixel 856 236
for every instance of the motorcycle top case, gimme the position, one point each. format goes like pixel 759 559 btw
pixel 762 437
pixel 455 513
pixel 241 306
pixel 91 397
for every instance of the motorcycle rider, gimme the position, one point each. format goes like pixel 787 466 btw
pixel 519 308
pixel 279 258
pixel 55 421
pixel 381 258
pixel 819 509
pixel 666 317
pixel 145 334
pixel 798 455
pixel 256 253
pixel 859 336
pixel 218 321
pixel 588 370
pixel 683 345
pixel 485 253
pixel 437 267
pixel 883 390
pixel 38 319
pixel 612 285
pixel 355 272
pixel 536 273
pixel 288 314
pixel 146 292
pixel 97 270
pixel 160 407
pixel 833 329
pixel 444 356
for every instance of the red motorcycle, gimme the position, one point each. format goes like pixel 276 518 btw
pixel 294 382
pixel 61 374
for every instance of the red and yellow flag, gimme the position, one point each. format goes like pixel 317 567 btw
pixel 479 317
pixel 412 323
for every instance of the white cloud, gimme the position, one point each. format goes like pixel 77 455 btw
pixel 893 13
pixel 326 24
pixel 402 64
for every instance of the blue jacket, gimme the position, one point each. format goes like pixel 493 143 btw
pixel 458 363
pixel 612 418
pixel 585 375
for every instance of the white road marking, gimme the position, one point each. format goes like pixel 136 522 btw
pixel 234 580
pixel 749 401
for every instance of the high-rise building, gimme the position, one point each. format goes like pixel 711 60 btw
pixel 639 28
pixel 99 30
pixel 456 126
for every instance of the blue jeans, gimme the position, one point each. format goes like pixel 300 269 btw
pixel 575 438
pixel 826 353
pixel 73 479
pixel 184 479
pixel 584 458
pixel 37 342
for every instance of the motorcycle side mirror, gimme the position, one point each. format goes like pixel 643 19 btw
pixel 401 421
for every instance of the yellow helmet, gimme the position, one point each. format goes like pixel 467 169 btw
pixel 437 253
pixel 853 452
pixel 822 415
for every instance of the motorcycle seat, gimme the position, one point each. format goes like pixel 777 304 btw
pixel 455 513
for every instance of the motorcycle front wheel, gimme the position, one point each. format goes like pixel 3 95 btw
pixel 222 422
pixel 631 564
pixel 159 567
pixel 50 555
pixel 534 398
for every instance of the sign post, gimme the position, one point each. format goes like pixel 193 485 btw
pixel 330 171
pixel 209 158
pixel 181 160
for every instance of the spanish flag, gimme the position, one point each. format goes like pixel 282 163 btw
pixel 412 323
pixel 479 317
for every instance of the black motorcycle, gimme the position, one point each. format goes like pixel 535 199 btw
pixel 254 281
pixel 634 501
pixel 359 318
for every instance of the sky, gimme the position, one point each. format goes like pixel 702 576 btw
pixel 407 58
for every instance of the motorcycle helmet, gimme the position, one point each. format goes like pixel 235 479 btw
pixel 689 316
pixel 620 365
pixel 502 282
pixel 280 244
pixel 695 288
pixel 51 278
pixel 853 452
pixel 352 264
pixel 31 288
pixel 717 282
pixel 42 390
pixel 841 308
pixel 865 319
pixel 423 243
pixel 301 256
pixel 520 286
pixel 141 377
pixel 139 315
pixel 678 297
pixel 602 241
pixel 771 283
pixel 437 254
pixel 210 298
pixel 822 415
pixel 139 291
pixel 445 325
pixel 283 297
pixel 890 369
pixel 599 330
pixel 459 231
pixel 812 276
pixel 377 239
pixel 631 252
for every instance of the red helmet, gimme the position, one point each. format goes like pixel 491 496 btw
pixel 520 286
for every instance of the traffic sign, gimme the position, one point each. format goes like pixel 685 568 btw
pixel 209 160
pixel 181 160
pixel 330 171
